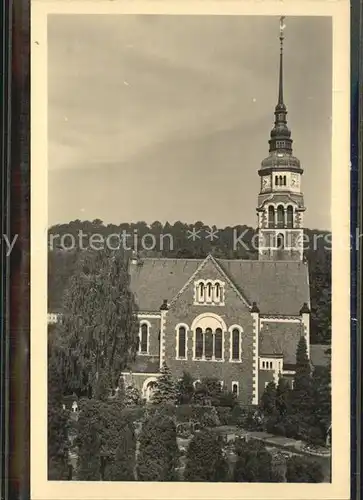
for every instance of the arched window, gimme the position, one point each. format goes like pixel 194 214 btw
pixel 201 291
pixel 182 342
pixel 280 242
pixel 271 216
pixel 235 390
pixel 284 180
pixel 209 290
pixel 280 180
pixel 290 217
pixel 276 180
pixel 144 334
pixel 280 216
pixel 208 343
pixel 217 292
pixel 218 342
pixel 199 343
pixel 236 345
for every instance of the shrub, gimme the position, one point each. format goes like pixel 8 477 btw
pixel 158 452
pixel 132 396
pixel 184 413
pixel 225 415
pixel 254 463
pixel 226 399
pixel 303 470
pixel 185 389
pixel 205 460
pixel 210 418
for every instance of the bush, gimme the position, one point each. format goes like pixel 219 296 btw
pixel 226 399
pixel 132 396
pixel 224 415
pixel 184 413
pixel 210 418
pixel 254 463
pixel 205 460
pixel 158 452
pixel 303 470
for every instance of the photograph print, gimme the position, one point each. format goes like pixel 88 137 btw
pixel 189 248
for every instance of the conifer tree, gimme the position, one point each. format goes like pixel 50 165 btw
pixel 98 333
pixel 165 389
pixel 301 393
pixel 321 394
pixel 282 396
pixel 205 460
pixel 158 451
pixel 268 399
pixel 185 389
pixel 132 396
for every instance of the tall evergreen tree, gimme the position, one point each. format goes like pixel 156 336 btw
pixel 301 393
pixel 282 397
pixel 185 389
pixel 165 389
pixel 268 399
pixel 205 460
pixel 321 394
pixel 158 452
pixel 98 334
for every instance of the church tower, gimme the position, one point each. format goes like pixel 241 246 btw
pixel 280 201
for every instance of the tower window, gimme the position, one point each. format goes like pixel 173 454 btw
pixel 280 242
pixel 235 388
pixel 284 180
pixel 280 216
pixel 271 216
pixel 276 180
pixel 290 217
pixel 144 338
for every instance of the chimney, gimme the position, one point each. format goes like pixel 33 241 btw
pixel 164 306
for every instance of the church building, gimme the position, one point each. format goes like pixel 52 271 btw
pixel 237 320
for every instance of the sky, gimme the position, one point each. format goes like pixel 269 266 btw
pixel 168 117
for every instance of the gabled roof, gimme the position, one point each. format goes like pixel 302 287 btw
pixel 280 338
pixel 278 288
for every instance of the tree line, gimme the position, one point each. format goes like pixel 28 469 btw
pixel 63 256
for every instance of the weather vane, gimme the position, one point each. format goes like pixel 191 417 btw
pixel 282 27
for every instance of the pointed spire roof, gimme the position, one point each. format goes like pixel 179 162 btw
pixel 280 138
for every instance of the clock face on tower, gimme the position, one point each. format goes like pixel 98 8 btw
pixel 266 182
pixel 294 180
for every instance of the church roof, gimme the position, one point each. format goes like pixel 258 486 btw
pixel 278 288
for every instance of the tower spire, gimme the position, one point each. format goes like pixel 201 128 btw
pixel 281 76
pixel 280 139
